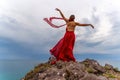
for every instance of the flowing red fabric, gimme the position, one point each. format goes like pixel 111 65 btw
pixel 63 50
pixel 49 21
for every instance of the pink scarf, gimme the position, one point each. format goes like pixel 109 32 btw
pixel 49 21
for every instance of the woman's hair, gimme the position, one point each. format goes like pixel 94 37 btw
pixel 72 17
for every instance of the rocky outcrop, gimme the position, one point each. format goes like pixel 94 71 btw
pixel 88 69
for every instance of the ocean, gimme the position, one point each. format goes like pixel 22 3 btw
pixel 16 69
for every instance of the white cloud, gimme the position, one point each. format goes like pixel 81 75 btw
pixel 30 28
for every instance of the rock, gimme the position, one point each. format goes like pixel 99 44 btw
pixel 94 65
pixel 89 77
pixel 102 78
pixel 108 67
pixel 88 69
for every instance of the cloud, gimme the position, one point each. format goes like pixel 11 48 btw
pixel 22 22
pixel 104 38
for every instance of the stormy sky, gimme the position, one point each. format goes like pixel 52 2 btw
pixel 24 34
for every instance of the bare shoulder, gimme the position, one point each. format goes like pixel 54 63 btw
pixel 66 20
pixel 77 23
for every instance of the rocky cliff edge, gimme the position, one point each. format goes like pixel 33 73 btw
pixel 88 69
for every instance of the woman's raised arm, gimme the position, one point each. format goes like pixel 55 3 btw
pixel 65 19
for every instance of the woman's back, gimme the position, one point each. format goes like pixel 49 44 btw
pixel 71 26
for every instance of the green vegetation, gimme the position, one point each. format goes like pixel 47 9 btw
pixel 107 67
pixel 86 64
pixel 90 70
pixel 109 75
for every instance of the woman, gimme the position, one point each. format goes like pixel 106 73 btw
pixel 63 50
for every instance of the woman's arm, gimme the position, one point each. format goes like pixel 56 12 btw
pixel 66 20
pixel 78 24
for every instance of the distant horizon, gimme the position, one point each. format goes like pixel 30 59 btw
pixel 101 58
pixel 44 55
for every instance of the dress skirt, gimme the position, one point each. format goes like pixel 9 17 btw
pixel 63 50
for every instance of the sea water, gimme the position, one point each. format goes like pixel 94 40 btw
pixel 17 69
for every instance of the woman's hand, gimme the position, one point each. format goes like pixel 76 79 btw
pixel 92 26
pixel 57 9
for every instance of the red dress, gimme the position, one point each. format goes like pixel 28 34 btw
pixel 63 50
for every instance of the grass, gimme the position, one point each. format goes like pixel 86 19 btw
pixel 90 70
pixel 108 75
